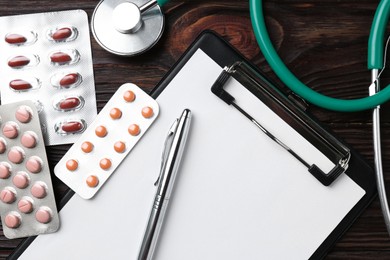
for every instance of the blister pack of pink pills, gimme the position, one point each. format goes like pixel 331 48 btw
pixel 106 142
pixel 27 199
pixel 47 58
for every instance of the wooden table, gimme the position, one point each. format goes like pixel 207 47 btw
pixel 323 42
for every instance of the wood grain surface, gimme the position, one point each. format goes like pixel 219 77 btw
pixel 323 42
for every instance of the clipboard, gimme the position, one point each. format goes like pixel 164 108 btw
pixel 187 216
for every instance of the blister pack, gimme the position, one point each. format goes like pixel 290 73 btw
pixel 47 59
pixel 27 199
pixel 107 141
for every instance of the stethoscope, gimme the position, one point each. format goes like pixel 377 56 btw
pixel 131 28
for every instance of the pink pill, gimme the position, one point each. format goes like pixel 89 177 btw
pixel 3 146
pixel 23 114
pixel 10 130
pixel 12 220
pixel 5 170
pixel 7 196
pixel 38 190
pixel 21 180
pixel 29 139
pixel 34 164
pixel 16 155
pixel 25 205
pixel 43 215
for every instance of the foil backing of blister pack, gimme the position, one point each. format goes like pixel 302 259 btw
pixel 47 59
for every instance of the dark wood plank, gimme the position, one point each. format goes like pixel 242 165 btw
pixel 323 42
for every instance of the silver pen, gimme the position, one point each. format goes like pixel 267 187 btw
pixel 171 157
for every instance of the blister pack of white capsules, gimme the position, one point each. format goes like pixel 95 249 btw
pixel 47 58
pixel 107 141
pixel 27 202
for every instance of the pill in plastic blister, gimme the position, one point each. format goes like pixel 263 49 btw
pixel 25 84
pixel 71 126
pixel 64 57
pixel 106 142
pixel 23 61
pixel 21 38
pixel 66 80
pixel 27 202
pixel 62 34
pixel 68 103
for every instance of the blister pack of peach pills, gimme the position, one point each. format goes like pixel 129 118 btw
pixel 101 148
pixel 27 202
pixel 47 58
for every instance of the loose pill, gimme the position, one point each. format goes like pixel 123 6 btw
pixel 70 103
pixel 16 155
pixel 20 85
pixel 38 190
pixel 101 131
pixel 105 164
pixel 115 113
pixel 72 165
pixel 10 130
pixel 119 147
pixel 92 181
pixel 25 205
pixel 69 80
pixel 14 38
pixel 62 34
pixel 87 147
pixel 129 96
pixel 72 127
pixel 18 61
pixel 23 114
pixel 34 164
pixel 12 220
pixel 43 215
pixel 21 180
pixel 134 130
pixel 60 57
pixel 5 170
pixel 7 196
pixel 3 146
pixel 29 139
pixel 147 112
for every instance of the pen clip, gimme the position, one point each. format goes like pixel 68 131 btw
pixel 167 147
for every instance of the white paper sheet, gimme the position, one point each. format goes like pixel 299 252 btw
pixel 238 195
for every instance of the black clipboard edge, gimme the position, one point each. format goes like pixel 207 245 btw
pixel 224 55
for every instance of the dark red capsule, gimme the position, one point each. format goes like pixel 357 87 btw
pixel 20 84
pixel 69 103
pixel 18 61
pixel 72 127
pixel 62 34
pixel 69 79
pixel 60 57
pixel 14 38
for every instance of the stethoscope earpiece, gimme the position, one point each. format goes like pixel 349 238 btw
pixel 127 28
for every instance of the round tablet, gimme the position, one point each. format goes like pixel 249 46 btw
pixel 5 170
pixel 129 96
pixel 134 130
pixel 115 113
pixel 87 147
pixel 72 165
pixel 29 139
pixel 101 131
pixel 12 220
pixel 25 205
pixel 38 190
pixel 34 164
pixel 10 130
pixel 7 196
pixel 16 155
pixel 3 146
pixel 105 163
pixel 21 180
pixel 147 112
pixel 92 181
pixel 43 215
pixel 23 114
pixel 119 147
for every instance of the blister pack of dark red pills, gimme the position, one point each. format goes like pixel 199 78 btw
pixel 47 58
pixel 27 202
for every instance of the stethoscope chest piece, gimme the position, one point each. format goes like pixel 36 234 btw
pixel 127 28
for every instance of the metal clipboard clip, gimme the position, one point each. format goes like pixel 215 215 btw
pixel 291 113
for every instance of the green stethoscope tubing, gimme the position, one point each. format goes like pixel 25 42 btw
pixel 375 61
